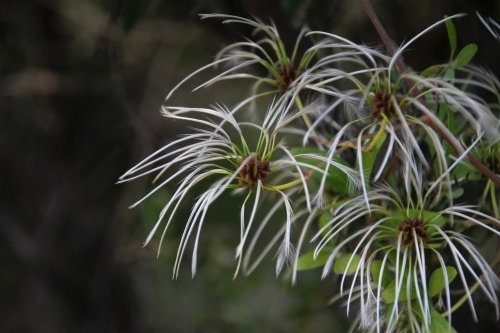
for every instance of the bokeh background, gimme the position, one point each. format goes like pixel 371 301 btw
pixel 81 84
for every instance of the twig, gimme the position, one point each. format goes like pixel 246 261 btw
pixel 402 68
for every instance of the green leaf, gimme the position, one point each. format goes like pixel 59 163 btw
pixel 295 151
pixel 323 220
pixel 307 261
pixel 375 272
pixel 455 194
pixel 466 169
pixel 392 257
pixel 465 55
pixel 388 312
pixel 439 324
pixel 336 182
pixel 432 71
pixel 340 266
pixel 452 35
pixel 370 157
pixel 437 281
pixel 389 292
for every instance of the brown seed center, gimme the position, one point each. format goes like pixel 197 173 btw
pixel 407 227
pixel 382 105
pixel 491 159
pixel 254 170
pixel 287 75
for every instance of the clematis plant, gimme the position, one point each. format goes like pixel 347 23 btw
pixel 211 152
pixel 378 182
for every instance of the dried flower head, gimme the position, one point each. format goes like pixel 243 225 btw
pixel 392 255
pixel 212 153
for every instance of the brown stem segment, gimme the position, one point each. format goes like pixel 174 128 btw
pixel 402 68
pixel 387 42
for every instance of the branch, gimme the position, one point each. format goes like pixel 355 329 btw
pixel 402 68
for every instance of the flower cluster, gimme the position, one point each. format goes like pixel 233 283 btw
pixel 378 178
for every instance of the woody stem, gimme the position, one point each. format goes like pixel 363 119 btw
pixel 402 68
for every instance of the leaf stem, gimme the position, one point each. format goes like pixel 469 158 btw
pixel 379 134
pixel 285 186
pixel 460 301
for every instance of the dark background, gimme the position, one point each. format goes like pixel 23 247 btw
pixel 81 84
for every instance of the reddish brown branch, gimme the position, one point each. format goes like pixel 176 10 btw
pixel 402 68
